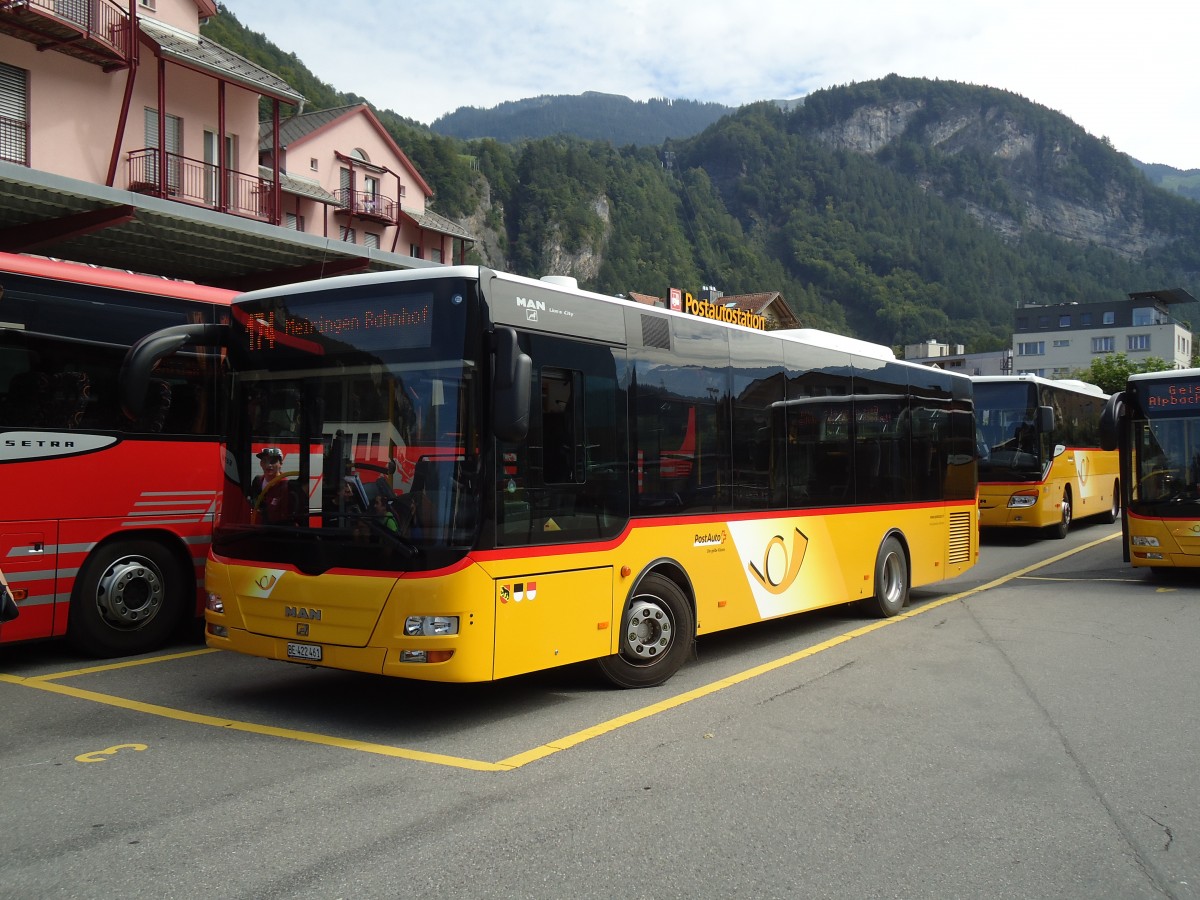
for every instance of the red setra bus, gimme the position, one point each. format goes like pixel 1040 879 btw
pixel 105 519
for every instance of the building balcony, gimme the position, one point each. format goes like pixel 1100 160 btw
pixel 199 184
pixel 373 207
pixel 95 31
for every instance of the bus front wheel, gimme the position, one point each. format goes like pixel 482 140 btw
pixel 657 630
pixel 891 580
pixel 128 598
pixel 1064 520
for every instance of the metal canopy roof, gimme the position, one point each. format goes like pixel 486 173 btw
pixel 51 215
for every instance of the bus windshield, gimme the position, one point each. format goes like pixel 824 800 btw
pixel 1166 444
pixel 353 428
pixel 1009 445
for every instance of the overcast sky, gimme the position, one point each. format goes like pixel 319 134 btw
pixel 1126 71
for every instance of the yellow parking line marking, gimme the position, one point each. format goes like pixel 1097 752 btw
pixel 109 667
pixel 180 715
pixel 45 683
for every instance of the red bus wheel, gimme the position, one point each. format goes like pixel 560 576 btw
pixel 128 599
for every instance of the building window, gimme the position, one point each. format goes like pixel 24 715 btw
pixel 1031 348
pixel 146 4
pixel 1147 315
pixel 1043 321
pixel 1104 344
pixel 1040 373
pixel 1137 342
pixel 1066 343
pixel 414 250
pixel 1110 318
pixel 1085 318
pixel 435 254
pixel 1022 322
pixel 1064 321
pixel 350 235
pixel 1060 372
pixel 370 240
pixel 14 115
pixel 313 164
pixel 172 143
pixel 293 221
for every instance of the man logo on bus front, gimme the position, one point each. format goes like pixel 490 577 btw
pixel 779 567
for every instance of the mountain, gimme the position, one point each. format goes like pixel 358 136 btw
pixel 591 116
pixel 1185 183
pixel 895 210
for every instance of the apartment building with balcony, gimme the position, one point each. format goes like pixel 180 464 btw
pixel 128 139
pixel 344 176
pixel 1054 341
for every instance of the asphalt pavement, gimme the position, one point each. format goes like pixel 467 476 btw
pixel 1027 730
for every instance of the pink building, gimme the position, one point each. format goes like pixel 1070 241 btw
pixel 128 139
pixel 343 173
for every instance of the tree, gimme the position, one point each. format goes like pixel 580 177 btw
pixel 1109 373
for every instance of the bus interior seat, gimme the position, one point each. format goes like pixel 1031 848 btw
pixel 158 404
pixel 68 400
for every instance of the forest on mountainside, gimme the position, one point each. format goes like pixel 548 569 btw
pixel 590 115
pixel 938 232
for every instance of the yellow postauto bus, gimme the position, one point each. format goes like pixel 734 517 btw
pixel 1155 426
pixel 471 475
pixel 1040 461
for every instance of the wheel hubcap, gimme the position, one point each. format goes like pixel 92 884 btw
pixel 893 584
pixel 648 630
pixel 130 593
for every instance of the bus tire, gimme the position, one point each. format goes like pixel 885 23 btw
pixel 1114 510
pixel 1064 520
pixel 658 627
pixel 891 580
pixel 128 599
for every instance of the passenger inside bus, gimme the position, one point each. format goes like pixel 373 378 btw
pixel 272 500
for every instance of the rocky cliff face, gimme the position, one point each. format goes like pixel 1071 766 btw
pixel 1114 222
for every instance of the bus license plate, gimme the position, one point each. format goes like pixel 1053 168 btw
pixel 304 651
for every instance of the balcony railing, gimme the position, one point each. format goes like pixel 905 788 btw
pixel 199 184
pixel 94 30
pixel 366 205
pixel 14 141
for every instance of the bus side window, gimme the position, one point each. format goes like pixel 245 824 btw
pixel 23 391
pixel 558 427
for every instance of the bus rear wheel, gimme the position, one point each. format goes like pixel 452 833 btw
pixel 657 630
pixel 128 599
pixel 891 580
pixel 1114 509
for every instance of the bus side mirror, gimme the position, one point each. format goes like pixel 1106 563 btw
pixel 511 380
pixel 141 357
pixel 1110 421
pixel 1045 419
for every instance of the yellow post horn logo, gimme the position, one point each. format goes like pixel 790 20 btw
pixel 790 567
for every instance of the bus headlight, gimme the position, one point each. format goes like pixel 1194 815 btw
pixel 1023 500
pixel 1141 540
pixel 214 603
pixel 427 626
